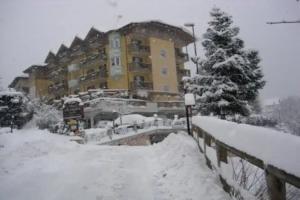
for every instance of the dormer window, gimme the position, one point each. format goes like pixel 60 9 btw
pixel 76 48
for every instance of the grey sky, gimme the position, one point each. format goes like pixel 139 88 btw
pixel 30 28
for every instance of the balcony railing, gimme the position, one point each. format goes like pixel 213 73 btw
pixel 141 85
pixel 139 66
pixel 184 72
pixel 182 57
pixel 138 48
pixel 94 75
pixel 56 87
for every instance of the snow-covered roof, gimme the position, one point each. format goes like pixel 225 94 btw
pixel 10 93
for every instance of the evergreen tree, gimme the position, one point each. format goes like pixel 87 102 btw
pixel 230 76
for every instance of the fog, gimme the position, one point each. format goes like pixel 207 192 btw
pixel 29 29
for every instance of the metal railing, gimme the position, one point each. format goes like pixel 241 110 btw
pixel 138 48
pixel 139 66
pixel 141 85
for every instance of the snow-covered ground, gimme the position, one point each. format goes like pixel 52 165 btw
pixel 38 165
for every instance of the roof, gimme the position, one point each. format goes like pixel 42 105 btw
pixel 93 32
pixel 35 67
pixel 77 41
pixel 63 48
pixel 188 37
pixel 16 79
pixel 50 56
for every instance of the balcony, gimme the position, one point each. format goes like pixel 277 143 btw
pixel 137 48
pixel 141 85
pixel 139 67
pixel 181 57
pixel 102 75
pixel 57 87
pixel 183 72
pixel 95 59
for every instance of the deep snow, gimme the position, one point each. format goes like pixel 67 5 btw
pixel 273 147
pixel 38 165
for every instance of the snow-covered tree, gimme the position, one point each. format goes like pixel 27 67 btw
pixel 230 76
pixel 287 113
pixel 45 116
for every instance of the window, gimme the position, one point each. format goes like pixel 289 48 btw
pixel 115 43
pixel 136 42
pixel 139 79
pixel 164 71
pixel 90 87
pixel 103 85
pixel 166 88
pixel 115 61
pixel 90 71
pixel 163 53
pixel 137 59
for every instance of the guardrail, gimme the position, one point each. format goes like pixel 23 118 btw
pixel 275 177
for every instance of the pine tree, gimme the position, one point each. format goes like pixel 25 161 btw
pixel 230 76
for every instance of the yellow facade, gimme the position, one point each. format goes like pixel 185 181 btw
pixel 164 71
pixel 118 81
pixel 143 56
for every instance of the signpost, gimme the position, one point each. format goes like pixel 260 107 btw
pixel 189 101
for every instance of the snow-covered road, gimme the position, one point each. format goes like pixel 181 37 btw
pixel 37 165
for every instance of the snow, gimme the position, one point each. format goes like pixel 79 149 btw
pixel 273 147
pixel 10 93
pixel 94 134
pixel 35 164
pixel 71 100
pixel 134 118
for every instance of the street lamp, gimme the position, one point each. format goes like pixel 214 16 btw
pixel 189 101
pixel 195 47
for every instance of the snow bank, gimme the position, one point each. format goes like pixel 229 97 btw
pixel 273 147
pixel 134 118
pixel 94 134
pixel 182 167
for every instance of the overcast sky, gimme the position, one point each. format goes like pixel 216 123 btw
pixel 30 28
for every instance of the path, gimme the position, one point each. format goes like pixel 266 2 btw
pixel 35 165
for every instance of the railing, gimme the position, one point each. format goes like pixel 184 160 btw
pixel 94 75
pixel 141 85
pixel 129 130
pixel 139 66
pixel 184 72
pixel 182 57
pixel 138 48
pixel 56 87
pixel 275 178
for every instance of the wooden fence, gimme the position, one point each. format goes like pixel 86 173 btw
pixel 275 177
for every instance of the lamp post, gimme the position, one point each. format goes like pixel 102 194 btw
pixel 189 101
pixel 195 47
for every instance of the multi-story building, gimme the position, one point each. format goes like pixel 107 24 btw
pixel 145 58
